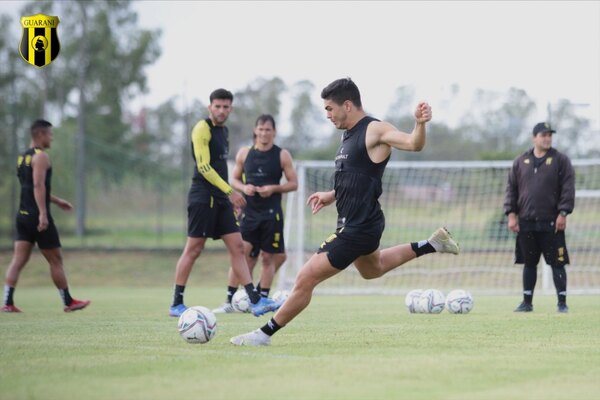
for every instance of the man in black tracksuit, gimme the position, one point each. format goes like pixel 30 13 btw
pixel 539 195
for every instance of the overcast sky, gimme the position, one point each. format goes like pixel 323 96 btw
pixel 549 48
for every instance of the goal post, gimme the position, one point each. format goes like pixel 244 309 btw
pixel 466 197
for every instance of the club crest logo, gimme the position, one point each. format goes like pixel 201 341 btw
pixel 39 43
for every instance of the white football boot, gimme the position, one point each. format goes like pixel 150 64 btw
pixel 254 338
pixel 442 241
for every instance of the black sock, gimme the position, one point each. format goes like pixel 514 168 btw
pixel 529 280
pixel 271 327
pixel 178 295
pixel 230 292
pixel 258 287
pixel 264 292
pixel 252 293
pixel 66 296
pixel 421 248
pixel 560 282
pixel 8 295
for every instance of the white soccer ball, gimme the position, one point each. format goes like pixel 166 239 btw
pixel 412 301
pixel 459 302
pixel 432 301
pixel 197 325
pixel 281 296
pixel 240 301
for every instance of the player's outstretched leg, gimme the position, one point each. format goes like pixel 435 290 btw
pixel 254 338
pixel 442 241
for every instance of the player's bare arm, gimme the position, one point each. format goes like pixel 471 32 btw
pixel 238 171
pixel 319 200
pixel 62 203
pixel 383 135
pixel 40 164
pixel 291 183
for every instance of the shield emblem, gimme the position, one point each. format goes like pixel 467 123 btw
pixel 39 43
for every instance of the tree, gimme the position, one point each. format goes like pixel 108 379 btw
pixel 498 122
pixel 102 47
pixel 306 120
pixel 573 132
pixel 402 105
pixel 262 96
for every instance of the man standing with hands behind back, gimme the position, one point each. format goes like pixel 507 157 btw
pixel 539 195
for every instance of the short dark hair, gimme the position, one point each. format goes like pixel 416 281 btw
pixel 265 118
pixel 221 94
pixel 39 124
pixel 341 90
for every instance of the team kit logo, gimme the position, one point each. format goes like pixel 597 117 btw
pixel 39 43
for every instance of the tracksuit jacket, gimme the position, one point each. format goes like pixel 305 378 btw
pixel 539 194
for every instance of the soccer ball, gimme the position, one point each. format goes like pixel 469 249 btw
pixel 197 325
pixel 432 301
pixel 412 301
pixel 281 295
pixel 459 302
pixel 240 301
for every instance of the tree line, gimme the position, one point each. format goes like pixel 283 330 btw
pixel 101 68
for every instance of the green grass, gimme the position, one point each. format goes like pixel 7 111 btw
pixel 124 346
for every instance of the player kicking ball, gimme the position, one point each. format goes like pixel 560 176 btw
pixel 359 166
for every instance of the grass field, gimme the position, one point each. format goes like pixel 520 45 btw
pixel 365 347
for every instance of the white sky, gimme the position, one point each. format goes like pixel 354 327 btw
pixel 551 49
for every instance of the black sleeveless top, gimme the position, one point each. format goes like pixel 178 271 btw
pixel 27 205
pixel 357 182
pixel 263 168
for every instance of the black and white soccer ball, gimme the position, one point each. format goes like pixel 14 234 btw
pixel 432 301
pixel 197 325
pixel 412 301
pixel 459 301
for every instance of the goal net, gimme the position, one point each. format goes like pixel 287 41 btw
pixel 467 198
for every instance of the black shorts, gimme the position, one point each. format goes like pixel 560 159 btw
pixel 343 247
pixel 265 235
pixel 27 231
pixel 531 245
pixel 211 220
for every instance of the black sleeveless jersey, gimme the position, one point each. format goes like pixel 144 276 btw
pixel 27 204
pixel 357 181
pixel 263 168
pixel 201 189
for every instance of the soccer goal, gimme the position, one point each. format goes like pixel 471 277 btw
pixel 467 198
